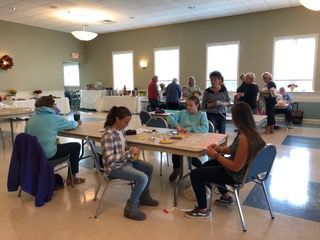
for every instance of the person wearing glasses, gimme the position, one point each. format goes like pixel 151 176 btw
pixel 120 162
pixel 214 102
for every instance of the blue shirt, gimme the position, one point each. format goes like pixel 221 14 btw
pixel 173 93
pixel 45 125
pixel 192 122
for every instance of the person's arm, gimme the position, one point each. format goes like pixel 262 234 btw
pixel 174 119
pixel 203 126
pixel 204 100
pixel 64 124
pixel 240 158
pixel 179 91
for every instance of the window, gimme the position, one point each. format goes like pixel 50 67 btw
pixel 122 70
pixel 223 57
pixel 71 74
pixel 166 64
pixel 294 62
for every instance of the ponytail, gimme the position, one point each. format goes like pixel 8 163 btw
pixel 120 112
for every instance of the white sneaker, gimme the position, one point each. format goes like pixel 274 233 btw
pixel 290 126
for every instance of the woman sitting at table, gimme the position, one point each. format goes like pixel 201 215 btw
pixel 221 170
pixel 45 125
pixel 121 164
pixel 190 120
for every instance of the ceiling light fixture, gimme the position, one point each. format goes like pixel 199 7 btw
pixel 311 4
pixel 84 35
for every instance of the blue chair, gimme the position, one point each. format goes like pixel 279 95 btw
pixel 144 117
pixel 211 127
pixel 258 171
pixel 159 123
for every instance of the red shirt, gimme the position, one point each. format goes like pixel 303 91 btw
pixel 153 92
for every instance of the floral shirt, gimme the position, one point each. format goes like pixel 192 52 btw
pixel 112 151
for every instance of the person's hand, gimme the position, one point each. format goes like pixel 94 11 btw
pixel 211 152
pixel 134 150
pixel 181 129
pixel 215 146
pixel 79 122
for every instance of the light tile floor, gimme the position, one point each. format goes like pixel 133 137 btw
pixel 70 214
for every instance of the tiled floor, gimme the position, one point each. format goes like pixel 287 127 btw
pixel 294 187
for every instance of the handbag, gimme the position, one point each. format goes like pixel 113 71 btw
pixel 297 115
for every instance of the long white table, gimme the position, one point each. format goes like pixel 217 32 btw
pixel 89 98
pixel 105 103
pixel 11 113
pixel 62 104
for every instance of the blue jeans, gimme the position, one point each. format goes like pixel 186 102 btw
pixel 218 120
pixel 140 172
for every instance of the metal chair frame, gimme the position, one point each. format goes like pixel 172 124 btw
pixel 258 171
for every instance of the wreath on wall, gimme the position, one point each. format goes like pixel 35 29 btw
pixel 6 62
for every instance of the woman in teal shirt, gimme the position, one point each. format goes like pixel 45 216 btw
pixel 190 120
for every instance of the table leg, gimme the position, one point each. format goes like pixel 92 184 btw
pixel 83 142
pixel 12 133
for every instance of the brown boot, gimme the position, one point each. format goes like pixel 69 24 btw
pixel 174 174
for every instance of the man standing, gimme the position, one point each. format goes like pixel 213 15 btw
pixel 153 93
pixel 173 95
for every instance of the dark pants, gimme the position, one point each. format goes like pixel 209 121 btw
pixel 176 159
pixel 211 172
pixel 154 103
pixel 72 149
pixel 173 105
pixel 218 120
pixel 287 113
pixel 270 111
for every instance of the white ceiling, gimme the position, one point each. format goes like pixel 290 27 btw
pixel 145 13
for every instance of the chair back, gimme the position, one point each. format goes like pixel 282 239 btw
pixel 96 160
pixel 211 127
pixel 144 117
pixel 260 166
pixel 157 122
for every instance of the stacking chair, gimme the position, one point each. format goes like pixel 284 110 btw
pixel 258 171
pixel 31 171
pixel 102 174
pixel 159 123
pixel 3 146
pixel 144 117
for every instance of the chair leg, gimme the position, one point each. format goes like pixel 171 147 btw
pixel 236 193
pixel 266 195
pixel 97 191
pixel 3 146
pixel 143 155
pixel 20 191
pixel 160 163
pixel 99 204
pixel 70 173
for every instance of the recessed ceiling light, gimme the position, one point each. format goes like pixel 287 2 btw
pixel 53 7
pixel 132 17
pixel 13 8
pixel 107 21
pixel 191 7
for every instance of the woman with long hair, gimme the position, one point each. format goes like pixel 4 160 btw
pixel 222 170
pixel 120 162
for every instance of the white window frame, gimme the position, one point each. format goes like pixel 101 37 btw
pixel 128 87
pixel 166 81
pixel 64 80
pixel 316 36
pixel 207 81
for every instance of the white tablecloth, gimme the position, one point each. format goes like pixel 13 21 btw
pixel 62 104
pixel 105 103
pixel 89 98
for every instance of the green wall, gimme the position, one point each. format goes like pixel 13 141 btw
pixel 38 55
pixel 255 32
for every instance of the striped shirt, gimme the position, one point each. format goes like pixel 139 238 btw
pixel 210 96
pixel 113 154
